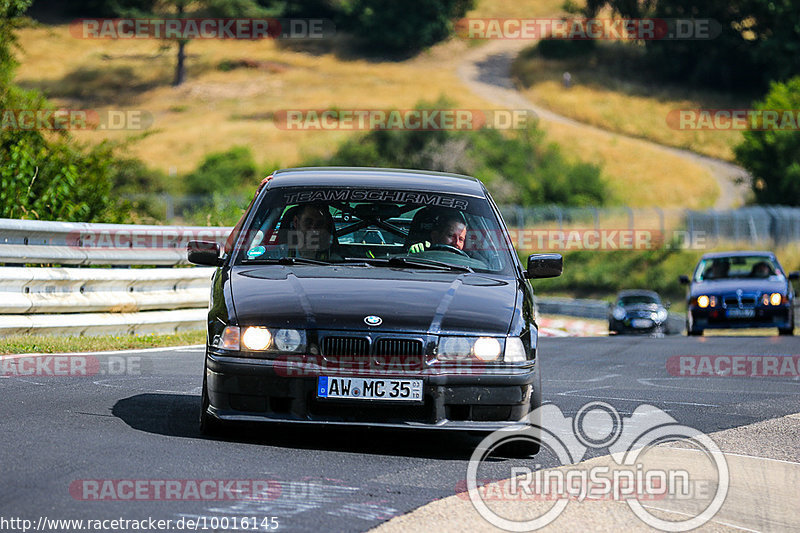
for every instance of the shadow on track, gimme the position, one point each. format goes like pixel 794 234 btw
pixel 176 415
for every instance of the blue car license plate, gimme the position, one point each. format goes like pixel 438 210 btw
pixel 740 313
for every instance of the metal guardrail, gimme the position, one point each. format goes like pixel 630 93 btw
pixel 751 226
pixel 93 290
pixel 82 301
pixel 73 243
pixel 76 300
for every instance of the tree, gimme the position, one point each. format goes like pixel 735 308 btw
pixel 45 176
pixel 773 156
pixel 405 26
pixel 198 9
pixel 759 41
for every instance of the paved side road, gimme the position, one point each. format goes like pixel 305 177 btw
pixel 135 419
pixel 486 71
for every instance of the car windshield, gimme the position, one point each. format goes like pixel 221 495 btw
pixel 752 266
pixel 376 227
pixel 637 299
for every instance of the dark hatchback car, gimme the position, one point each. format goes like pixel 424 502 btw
pixel 740 290
pixel 371 297
pixel 638 311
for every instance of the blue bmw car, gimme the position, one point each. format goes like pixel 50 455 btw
pixel 740 290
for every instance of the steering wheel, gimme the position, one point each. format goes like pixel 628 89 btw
pixel 448 248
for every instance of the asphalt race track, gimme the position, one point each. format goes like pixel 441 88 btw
pixel 136 419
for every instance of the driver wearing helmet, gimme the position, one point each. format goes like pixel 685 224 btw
pixel 449 230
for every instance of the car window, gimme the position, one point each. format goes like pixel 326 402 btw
pixel 339 225
pixel 754 266
pixel 638 299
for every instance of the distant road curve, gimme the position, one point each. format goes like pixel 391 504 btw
pixel 486 70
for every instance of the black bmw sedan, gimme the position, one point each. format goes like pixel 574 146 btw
pixel 740 290
pixel 372 297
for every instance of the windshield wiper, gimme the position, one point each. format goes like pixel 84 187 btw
pixel 422 263
pixel 290 261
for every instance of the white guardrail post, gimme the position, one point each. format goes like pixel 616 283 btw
pixel 71 294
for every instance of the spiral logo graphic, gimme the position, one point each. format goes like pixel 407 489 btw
pixel 598 425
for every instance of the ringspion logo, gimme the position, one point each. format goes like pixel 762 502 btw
pixel 635 474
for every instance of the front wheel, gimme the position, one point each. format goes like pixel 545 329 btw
pixel 786 331
pixel 692 331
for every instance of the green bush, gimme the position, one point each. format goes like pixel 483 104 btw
pixel 223 172
pixel 519 168
pixel 565 48
pixel 591 272
pixel 402 27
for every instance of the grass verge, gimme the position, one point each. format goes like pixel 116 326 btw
pixel 623 103
pixel 15 344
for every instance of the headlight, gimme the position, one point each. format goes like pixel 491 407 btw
pixel 262 339
pixel 775 298
pixel 703 301
pixel 483 348
pixel 256 338
pixel 454 348
pixel 515 350
pixel 661 315
pixel 288 340
pixel 618 313
pixel 487 349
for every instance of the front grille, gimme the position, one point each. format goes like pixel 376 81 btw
pixel 391 347
pixel 345 346
pixel 744 301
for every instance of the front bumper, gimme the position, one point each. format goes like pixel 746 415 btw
pixel 258 390
pixel 626 326
pixel 763 317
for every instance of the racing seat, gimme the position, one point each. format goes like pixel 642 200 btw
pixel 422 224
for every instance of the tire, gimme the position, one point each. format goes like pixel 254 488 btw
pixel 786 331
pixel 694 332
pixel 209 425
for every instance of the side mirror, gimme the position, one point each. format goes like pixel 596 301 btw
pixel 203 253
pixel 544 266
pixel 794 275
pixel 683 279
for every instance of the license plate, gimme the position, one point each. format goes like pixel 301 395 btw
pixel 641 322
pixel 408 390
pixel 741 313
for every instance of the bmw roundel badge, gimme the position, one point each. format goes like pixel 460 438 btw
pixel 373 320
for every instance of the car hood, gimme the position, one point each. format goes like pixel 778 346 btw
pixel 340 297
pixel 642 307
pixel 732 285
